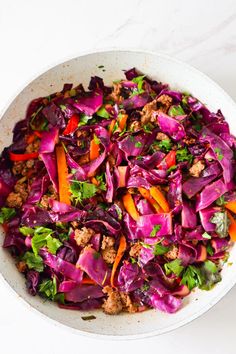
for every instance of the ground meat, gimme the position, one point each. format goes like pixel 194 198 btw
pixel 172 253
pixel 44 202
pixel 75 224
pixel 29 163
pixel 116 92
pixel 21 266
pixel 112 160
pixel 190 141
pixel 22 190
pixel 108 250
pixel 147 112
pixel 165 101
pixel 83 159
pixel 135 250
pixel 127 303
pixel 196 169
pixel 81 133
pixel 14 200
pixel 162 136
pixel 32 147
pixel 17 168
pixel 113 303
pixel 83 236
pixel 135 126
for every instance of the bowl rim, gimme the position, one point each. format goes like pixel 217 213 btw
pixel 24 301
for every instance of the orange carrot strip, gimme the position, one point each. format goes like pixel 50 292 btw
pixel 130 206
pixel 30 138
pixel 120 252
pixel 160 198
pixel 232 227
pixel 62 169
pixel 146 194
pixel 231 206
pixel 122 121
pixel 113 122
pixel 88 281
pixel 94 150
pixel 94 181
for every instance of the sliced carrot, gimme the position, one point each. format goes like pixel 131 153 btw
pixel 120 253
pixel 72 125
pixel 231 206
pixel 30 139
pixel 94 150
pixel 232 227
pixel 23 157
pixel 64 193
pixel 111 127
pixel 168 161
pixel 146 194
pixel 130 206
pixel 94 181
pixel 88 281
pixel 122 121
pixel 38 134
pixel 160 198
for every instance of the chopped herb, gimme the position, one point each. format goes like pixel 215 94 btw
pixel 96 139
pixel 197 127
pixel 63 107
pixel 43 238
pixel 145 287
pixel 139 158
pixel 88 318
pixel 73 92
pixel 146 245
pixel 102 112
pixel 63 237
pixel 192 277
pixel 165 145
pixel 219 154
pixel 209 265
pixel 84 120
pixel 155 229
pixel 48 289
pixel 139 81
pixel 172 168
pixel 176 111
pixel 222 223
pixel 133 260
pixel 221 201
pixel 25 230
pixel 100 66
pixel 82 190
pixel 6 214
pixel 174 267
pixel 183 155
pixel 210 249
pixel 102 183
pixel 138 144
pixel 96 255
pixel 148 128
pixel 159 249
pixel 33 261
pixel 206 235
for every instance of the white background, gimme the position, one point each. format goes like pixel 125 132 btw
pixel 35 35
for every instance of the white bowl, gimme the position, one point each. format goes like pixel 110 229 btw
pixel 179 76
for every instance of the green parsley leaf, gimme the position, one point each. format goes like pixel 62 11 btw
pixel 138 144
pixel 210 266
pixel 210 249
pixel 148 128
pixel 146 245
pixel 165 145
pixel 219 154
pixel 42 238
pixel 206 235
pixel 133 260
pixel 25 230
pixel 221 201
pixel 63 107
pixel 102 183
pixel 33 261
pixel 222 223
pixel 192 277
pixel 82 190
pixel 172 168
pixel 102 112
pixel 176 111
pixel 174 267
pixel 145 287
pixel 100 66
pixel 139 81
pixel 96 139
pixel 84 120
pixel 63 237
pixel 48 288
pixel 183 155
pixel 6 214
pixel 159 249
pixel 155 229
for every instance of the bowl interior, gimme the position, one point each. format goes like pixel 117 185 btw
pixel 179 76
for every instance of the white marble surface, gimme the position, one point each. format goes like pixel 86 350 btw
pixel 37 34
